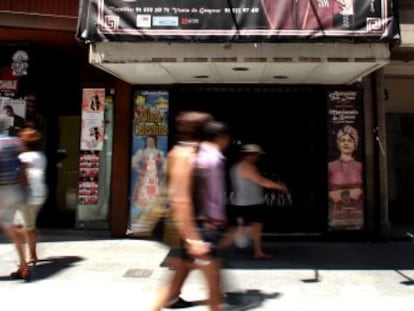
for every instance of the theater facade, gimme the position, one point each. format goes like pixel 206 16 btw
pixel 292 76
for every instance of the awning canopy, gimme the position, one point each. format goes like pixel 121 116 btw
pixel 272 63
pixel 243 41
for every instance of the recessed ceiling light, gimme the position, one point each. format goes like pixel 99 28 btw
pixel 240 68
pixel 201 77
pixel 280 77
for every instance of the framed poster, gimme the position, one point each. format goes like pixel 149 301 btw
pixel 345 160
pixel 148 159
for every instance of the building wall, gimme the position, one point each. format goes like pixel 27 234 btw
pixel 399 95
pixel 66 7
pixel 36 11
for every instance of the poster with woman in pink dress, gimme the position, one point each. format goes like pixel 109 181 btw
pixel 345 165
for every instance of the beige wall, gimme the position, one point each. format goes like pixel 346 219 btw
pixel 401 95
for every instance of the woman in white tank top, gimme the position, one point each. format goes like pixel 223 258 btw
pixel 248 198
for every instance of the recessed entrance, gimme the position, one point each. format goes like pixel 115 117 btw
pixel 289 122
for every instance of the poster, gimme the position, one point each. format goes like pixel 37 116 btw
pixel 14 81
pixel 14 71
pixel 88 185
pixel 148 159
pixel 345 160
pixel 236 20
pixel 92 139
pixel 92 131
pixel 88 192
pixel 15 110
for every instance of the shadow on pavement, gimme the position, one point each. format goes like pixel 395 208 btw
pixel 244 300
pixel 45 235
pixel 48 267
pixel 324 256
pixel 327 256
pixel 408 280
pixel 249 299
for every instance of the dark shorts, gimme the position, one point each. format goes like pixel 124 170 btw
pixel 245 215
pixel 212 236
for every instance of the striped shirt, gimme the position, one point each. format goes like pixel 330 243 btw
pixel 11 168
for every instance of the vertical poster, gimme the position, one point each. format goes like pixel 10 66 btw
pixel 92 137
pixel 345 160
pixel 92 131
pixel 148 162
pixel 88 177
pixel 15 110
pixel 14 78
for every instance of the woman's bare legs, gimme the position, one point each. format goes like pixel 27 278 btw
pixel 31 235
pixel 173 288
pixel 212 273
pixel 256 230
pixel 17 238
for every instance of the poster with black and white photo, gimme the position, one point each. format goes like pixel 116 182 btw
pixel 92 131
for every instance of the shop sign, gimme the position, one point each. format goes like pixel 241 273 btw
pixel 235 20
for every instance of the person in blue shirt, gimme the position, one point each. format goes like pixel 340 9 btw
pixel 12 183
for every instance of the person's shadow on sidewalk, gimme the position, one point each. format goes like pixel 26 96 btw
pixel 249 299
pixel 242 300
pixel 48 267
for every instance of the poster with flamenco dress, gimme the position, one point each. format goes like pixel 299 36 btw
pixel 148 161
pixel 345 160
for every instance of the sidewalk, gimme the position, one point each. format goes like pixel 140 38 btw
pixel 92 271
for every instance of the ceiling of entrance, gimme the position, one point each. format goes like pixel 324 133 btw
pixel 288 63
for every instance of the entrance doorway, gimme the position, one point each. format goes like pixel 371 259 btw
pixel 63 155
pixel 400 150
pixel 289 123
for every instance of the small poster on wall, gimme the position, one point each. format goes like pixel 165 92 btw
pixel 345 160
pixel 148 159
pixel 14 71
pixel 88 192
pixel 14 85
pixel 88 185
pixel 92 139
pixel 92 131
pixel 89 164
pixel 15 110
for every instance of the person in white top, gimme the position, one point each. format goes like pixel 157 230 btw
pixel 248 198
pixel 36 192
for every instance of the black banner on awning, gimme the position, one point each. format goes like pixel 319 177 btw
pixel 236 20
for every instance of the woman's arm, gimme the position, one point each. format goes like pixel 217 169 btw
pixel 251 172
